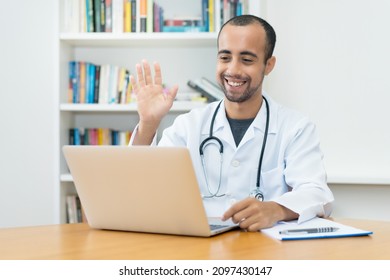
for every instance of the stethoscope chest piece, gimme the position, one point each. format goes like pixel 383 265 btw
pixel 258 195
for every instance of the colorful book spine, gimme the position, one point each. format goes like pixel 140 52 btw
pixel 90 20
pixel 127 16
pixel 96 14
pixel 103 15
pixel 108 16
pixel 117 16
pixel 149 16
pixel 134 11
pixel 98 136
pixel 143 15
pixel 82 82
pixel 104 84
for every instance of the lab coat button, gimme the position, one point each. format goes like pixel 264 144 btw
pixel 235 163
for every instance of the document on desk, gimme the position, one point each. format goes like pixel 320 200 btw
pixel 313 229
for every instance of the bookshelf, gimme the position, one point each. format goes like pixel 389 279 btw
pixel 177 52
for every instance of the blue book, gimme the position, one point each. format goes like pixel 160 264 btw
pixel 74 77
pixel 76 136
pixel 205 14
pixel 91 83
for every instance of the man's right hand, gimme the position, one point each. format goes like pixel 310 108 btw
pixel 152 102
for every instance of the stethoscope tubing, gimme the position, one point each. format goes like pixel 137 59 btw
pixel 211 137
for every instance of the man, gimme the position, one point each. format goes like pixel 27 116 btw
pixel 247 130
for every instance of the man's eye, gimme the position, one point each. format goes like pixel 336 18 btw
pixel 224 58
pixel 247 60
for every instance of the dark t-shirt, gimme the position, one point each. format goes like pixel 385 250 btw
pixel 239 127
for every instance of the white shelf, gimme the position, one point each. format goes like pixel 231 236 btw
pixel 187 39
pixel 356 180
pixel 66 178
pixel 178 106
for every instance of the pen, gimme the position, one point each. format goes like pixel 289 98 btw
pixel 308 230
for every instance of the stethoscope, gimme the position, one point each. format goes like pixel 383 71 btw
pixel 212 139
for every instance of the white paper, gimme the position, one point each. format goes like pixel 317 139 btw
pixel 343 231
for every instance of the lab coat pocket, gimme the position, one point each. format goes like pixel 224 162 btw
pixel 272 183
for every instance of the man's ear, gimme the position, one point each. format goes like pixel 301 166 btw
pixel 269 65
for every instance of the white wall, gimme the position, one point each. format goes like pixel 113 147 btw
pixel 28 112
pixel 361 201
pixel 333 64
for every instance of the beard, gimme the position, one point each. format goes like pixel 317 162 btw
pixel 246 95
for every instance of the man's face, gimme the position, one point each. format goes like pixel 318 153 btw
pixel 240 62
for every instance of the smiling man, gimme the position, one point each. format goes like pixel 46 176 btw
pixel 256 161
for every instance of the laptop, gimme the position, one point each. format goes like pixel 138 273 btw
pixel 141 189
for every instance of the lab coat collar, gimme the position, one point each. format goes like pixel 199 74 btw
pixel 222 127
pixel 259 122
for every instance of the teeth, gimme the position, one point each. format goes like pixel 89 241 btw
pixel 235 84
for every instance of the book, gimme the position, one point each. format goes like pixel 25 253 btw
pixel 102 15
pixel 96 13
pixel 74 210
pixel 315 223
pixel 72 87
pixel 207 88
pixel 118 13
pixel 149 16
pixel 143 15
pixel 90 83
pixel 127 16
pixel 205 14
pixel 108 14
pixel 71 209
pixel 134 16
pixel 71 16
pixel 90 17
pixel 96 84
pixel 82 82
pixel 83 16
pixel 211 16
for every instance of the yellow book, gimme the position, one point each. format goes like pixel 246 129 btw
pixel 211 16
pixel 127 16
pixel 121 80
pixel 100 136
pixel 129 97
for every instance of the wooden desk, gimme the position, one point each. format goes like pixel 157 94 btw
pixel 78 241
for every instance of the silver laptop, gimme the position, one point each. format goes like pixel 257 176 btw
pixel 140 188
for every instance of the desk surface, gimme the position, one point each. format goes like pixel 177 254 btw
pixel 78 241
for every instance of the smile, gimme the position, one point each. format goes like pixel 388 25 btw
pixel 234 84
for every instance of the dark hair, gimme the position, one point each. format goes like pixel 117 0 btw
pixel 250 19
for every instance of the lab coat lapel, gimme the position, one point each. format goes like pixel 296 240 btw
pixel 259 122
pixel 222 128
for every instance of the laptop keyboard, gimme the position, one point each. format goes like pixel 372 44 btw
pixel 214 227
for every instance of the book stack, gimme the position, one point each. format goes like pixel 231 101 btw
pixel 74 211
pixel 232 8
pixel 98 136
pixel 115 16
pixel 104 84
pixel 125 16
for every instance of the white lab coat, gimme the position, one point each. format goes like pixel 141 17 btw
pixel 292 175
